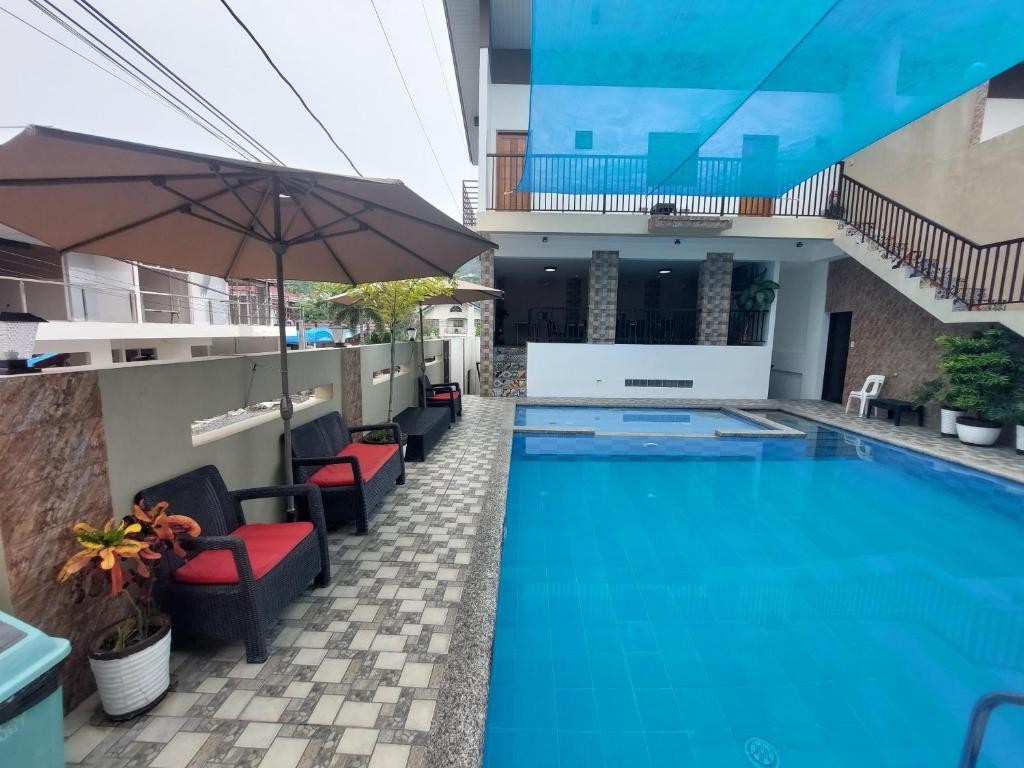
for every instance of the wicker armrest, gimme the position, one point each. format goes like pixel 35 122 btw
pixel 447 385
pixel 314 502
pixel 234 544
pixel 396 431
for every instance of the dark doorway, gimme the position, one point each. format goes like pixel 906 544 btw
pixel 836 352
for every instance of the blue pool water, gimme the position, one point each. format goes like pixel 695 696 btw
pixel 680 421
pixel 818 602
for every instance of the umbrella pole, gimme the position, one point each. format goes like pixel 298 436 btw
pixel 423 354
pixel 286 399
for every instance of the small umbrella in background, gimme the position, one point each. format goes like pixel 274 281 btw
pixel 463 292
pixel 224 217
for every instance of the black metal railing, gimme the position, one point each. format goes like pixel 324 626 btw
pixel 470 198
pixel 974 275
pixel 748 327
pixel 656 326
pixel 565 325
pixel 587 183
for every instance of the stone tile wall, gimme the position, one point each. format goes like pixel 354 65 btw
pixel 604 290
pixel 713 286
pixel 351 385
pixel 509 372
pixel 487 309
pixel 53 472
pixel 890 334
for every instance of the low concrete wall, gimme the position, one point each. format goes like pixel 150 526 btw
pixel 77 445
pixel 377 357
pixel 600 370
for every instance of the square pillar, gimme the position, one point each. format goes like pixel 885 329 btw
pixel 604 297
pixel 713 286
pixel 487 315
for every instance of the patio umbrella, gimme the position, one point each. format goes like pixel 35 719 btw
pixel 464 292
pixel 223 217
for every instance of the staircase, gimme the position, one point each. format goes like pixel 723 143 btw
pixel 947 275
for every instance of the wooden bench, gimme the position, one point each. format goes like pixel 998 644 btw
pixel 424 428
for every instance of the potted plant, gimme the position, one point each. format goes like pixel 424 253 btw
pixel 379 436
pixel 935 391
pixel 130 658
pixel 983 372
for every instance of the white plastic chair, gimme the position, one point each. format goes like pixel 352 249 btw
pixel 867 393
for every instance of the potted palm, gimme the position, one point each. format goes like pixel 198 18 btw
pixel 130 659
pixel 936 391
pixel 983 372
pixel 1019 431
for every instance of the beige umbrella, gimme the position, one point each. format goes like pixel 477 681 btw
pixel 464 292
pixel 224 217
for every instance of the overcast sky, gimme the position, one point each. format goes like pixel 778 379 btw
pixel 332 50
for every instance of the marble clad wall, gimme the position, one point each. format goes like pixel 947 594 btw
pixel 53 473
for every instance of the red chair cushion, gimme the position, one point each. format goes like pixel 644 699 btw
pixel 267 544
pixel 371 457
pixel 441 396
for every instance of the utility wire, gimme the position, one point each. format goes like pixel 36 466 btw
pixel 70 24
pixel 80 55
pixel 412 101
pixel 152 59
pixel 288 82
pixel 456 111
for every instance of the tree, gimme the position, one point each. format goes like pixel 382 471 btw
pixel 316 307
pixel 394 303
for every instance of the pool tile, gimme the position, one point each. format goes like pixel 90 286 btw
pixel 700 709
pixel 613 670
pixel 581 749
pixel 616 709
pixel 658 710
pixel 576 709
pixel 647 670
pixel 625 748
pixel 571 670
pixel 670 749
pixel 637 637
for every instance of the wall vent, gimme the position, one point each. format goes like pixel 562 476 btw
pixel 670 383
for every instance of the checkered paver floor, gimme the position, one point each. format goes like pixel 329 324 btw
pixel 354 669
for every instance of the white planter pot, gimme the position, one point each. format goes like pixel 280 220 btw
pixel 1020 438
pixel 131 682
pixel 977 432
pixel 948 417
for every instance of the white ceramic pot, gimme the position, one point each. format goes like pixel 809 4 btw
pixel 1020 438
pixel 134 680
pixel 978 431
pixel 948 417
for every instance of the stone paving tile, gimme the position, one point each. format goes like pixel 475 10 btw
pixel 354 668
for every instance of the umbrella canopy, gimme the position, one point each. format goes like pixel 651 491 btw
pixel 223 217
pixel 464 293
pixel 220 216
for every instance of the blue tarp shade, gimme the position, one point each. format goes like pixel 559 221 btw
pixel 313 336
pixel 742 97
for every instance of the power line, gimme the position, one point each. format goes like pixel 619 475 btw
pixel 152 59
pixel 412 101
pixel 70 24
pixel 80 55
pixel 288 82
pixel 437 55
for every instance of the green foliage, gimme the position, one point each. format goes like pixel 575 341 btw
pixel 759 295
pixel 930 392
pixel 983 372
pixel 316 307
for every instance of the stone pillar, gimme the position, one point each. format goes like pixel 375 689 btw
pixel 487 327
pixel 713 285
pixel 604 297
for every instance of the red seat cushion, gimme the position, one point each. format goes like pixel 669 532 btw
pixel 267 544
pixel 371 457
pixel 440 396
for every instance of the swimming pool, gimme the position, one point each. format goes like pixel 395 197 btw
pixel 680 421
pixel 820 601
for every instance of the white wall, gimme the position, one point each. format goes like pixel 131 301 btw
pixel 1001 116
pixel 377 357
pixel 801 331
pixel 100 289
pixel 600 370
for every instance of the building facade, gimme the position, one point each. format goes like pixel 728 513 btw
pixel 616 295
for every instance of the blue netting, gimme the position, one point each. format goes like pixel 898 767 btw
pixel 742 97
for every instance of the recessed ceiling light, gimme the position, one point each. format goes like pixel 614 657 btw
pixel 799 244
pixel 678 241
pixel 544 239
pixel 664 271
pixel 550 269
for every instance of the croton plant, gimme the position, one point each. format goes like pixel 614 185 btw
pixel 124 553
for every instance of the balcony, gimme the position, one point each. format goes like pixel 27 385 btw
pixel 679 326
pixel 581 179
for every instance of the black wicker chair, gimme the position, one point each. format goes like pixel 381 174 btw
pixel 447 395
pixel 238 598
pixel 353 477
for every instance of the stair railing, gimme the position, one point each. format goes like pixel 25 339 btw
pixel 979 722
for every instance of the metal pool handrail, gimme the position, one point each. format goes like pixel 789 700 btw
pixel 979 721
